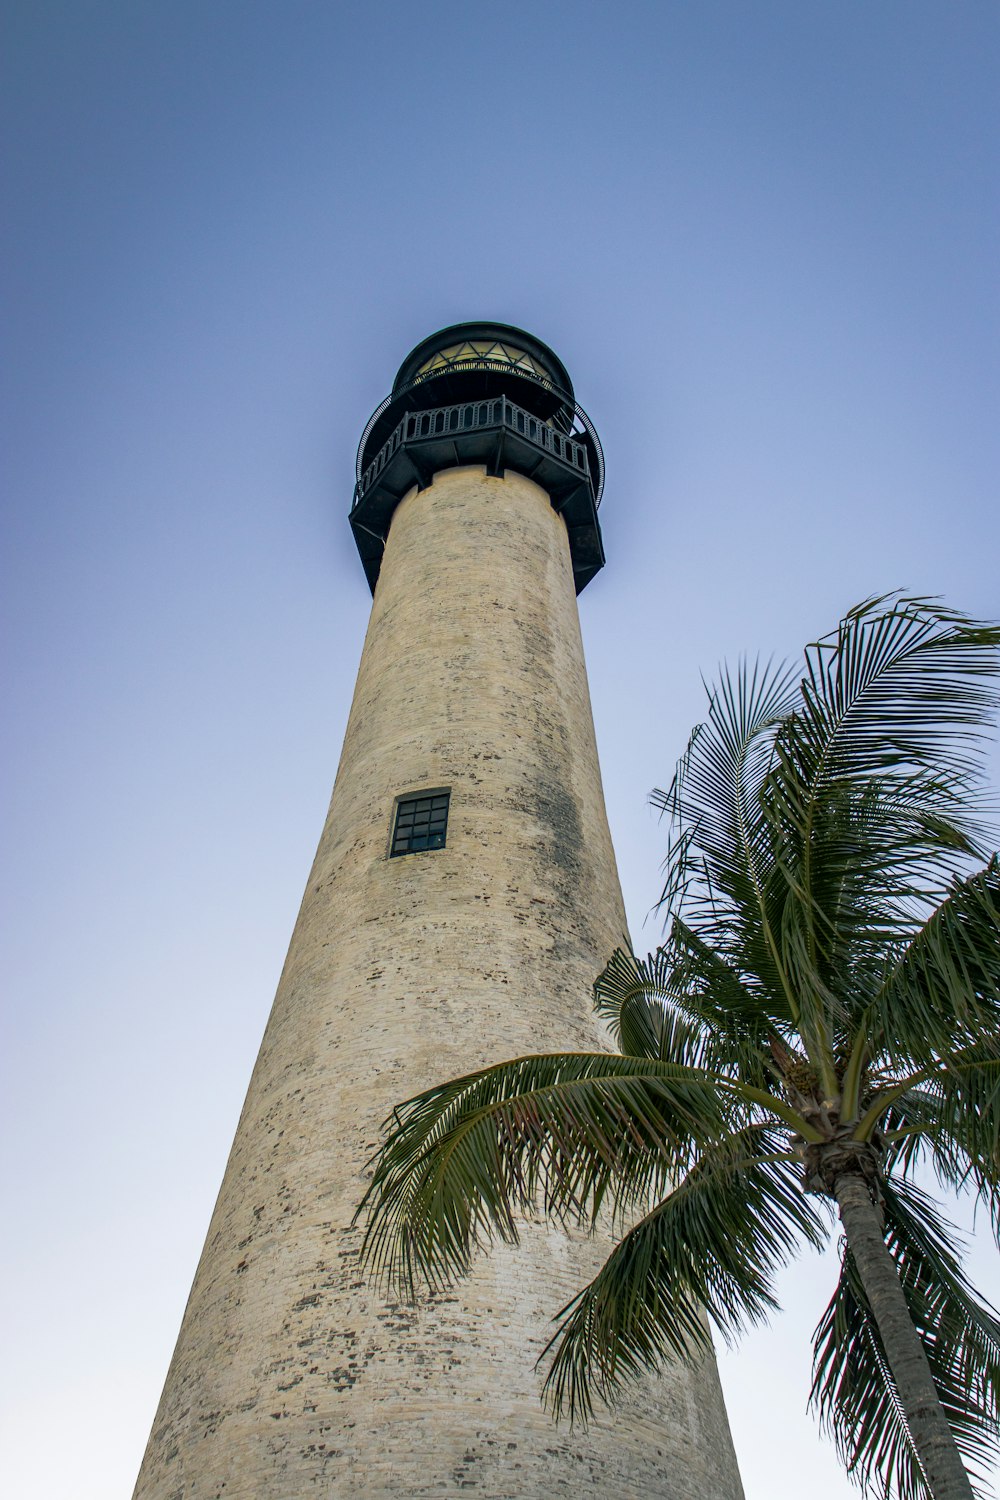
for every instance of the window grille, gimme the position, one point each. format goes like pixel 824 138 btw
pixel 421 823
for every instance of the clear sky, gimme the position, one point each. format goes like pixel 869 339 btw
pixel 763 237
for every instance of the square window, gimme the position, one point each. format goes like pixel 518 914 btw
pixel 421 823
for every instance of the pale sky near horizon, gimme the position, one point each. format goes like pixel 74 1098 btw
pixel 764 240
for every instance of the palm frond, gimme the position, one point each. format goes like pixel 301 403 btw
pixel 646 1017
pixel 954 1105
pixel 870 785
pixel 715 790
pixel 964 1133
pixel 943 990
pixel 712 1245
pixel 567 1133
pixel 881 856
pixel 684 1004
pixel 722 839
pixel 853 1391
pixel 902 685
pixel 938 1125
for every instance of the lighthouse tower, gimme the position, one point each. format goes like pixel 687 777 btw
pixel 462 900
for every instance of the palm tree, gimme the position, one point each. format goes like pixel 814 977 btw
pixel 822 1020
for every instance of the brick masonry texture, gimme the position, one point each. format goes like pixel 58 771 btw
pixel 292 1376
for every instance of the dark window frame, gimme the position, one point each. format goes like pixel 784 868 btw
pixel 420 822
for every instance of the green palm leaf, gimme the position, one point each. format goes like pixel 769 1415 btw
pixel 684 1004
pixel 902 684
pixel 712 1246
pixel 723 843
pixel 571 1133
pixel 952 1121
pixel 943 991
pixel 965 1126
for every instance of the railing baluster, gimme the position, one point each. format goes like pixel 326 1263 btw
pixel 496 412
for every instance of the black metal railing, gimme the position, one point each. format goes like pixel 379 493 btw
pixel 471 416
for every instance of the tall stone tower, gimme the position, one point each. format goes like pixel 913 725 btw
pixel 462 900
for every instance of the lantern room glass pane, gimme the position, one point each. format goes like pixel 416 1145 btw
pixel 480 351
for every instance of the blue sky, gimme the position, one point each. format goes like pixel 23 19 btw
pixel 762 237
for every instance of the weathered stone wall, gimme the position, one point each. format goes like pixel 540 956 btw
pixel 291 1376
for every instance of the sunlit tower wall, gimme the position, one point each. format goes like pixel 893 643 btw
pixel 463 897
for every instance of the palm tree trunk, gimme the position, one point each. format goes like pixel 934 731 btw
pixel 929 1429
